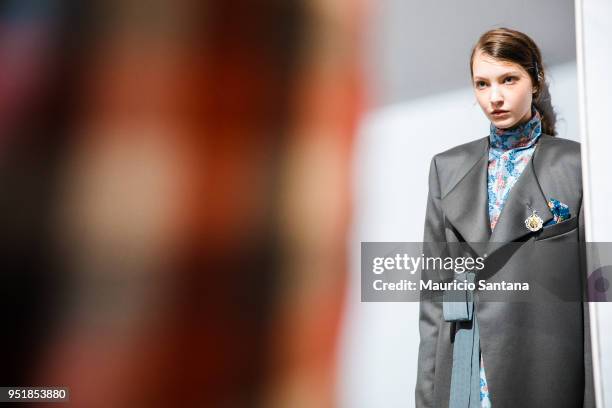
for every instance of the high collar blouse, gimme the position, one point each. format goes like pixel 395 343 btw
pixel 509 153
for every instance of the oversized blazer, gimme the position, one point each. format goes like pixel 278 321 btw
pixel 536 354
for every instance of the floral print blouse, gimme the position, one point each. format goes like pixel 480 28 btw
pixel 509 152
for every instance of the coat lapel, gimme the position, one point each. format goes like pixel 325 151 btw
pixel 466 204
pixel 524 197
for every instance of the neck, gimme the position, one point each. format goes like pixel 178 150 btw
pixel 521 135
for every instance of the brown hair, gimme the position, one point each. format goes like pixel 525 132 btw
pixel 513 46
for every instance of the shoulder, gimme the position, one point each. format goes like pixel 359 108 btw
pixel 559 152
pixel 462 152
pixel 452 164
pixel 567 145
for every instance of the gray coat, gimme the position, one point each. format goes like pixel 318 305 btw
pixel 535 354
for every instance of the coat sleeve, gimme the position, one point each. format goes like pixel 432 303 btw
pixel 589 390
pixel 430 311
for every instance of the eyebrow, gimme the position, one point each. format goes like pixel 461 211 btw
pixel 510 73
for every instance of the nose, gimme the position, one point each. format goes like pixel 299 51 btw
pixel 496 98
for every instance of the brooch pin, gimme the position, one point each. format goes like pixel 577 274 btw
pixel 534 222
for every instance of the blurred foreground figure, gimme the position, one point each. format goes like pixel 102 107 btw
pixel 200 203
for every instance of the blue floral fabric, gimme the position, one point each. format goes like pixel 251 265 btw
pixel 485 399
pixel 509 153
pixel 561 212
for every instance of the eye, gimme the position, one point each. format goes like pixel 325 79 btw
pixel 510 80
pixel 480 84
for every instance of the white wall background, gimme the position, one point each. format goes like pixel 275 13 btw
pixel 597 57
pixel 418 48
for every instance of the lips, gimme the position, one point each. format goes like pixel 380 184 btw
pixel 498 112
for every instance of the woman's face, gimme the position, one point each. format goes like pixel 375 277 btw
pixel 504 90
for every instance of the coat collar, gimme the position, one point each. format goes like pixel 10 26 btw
pixel 466 204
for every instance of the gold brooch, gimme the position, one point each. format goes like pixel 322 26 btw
pixel 534 222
